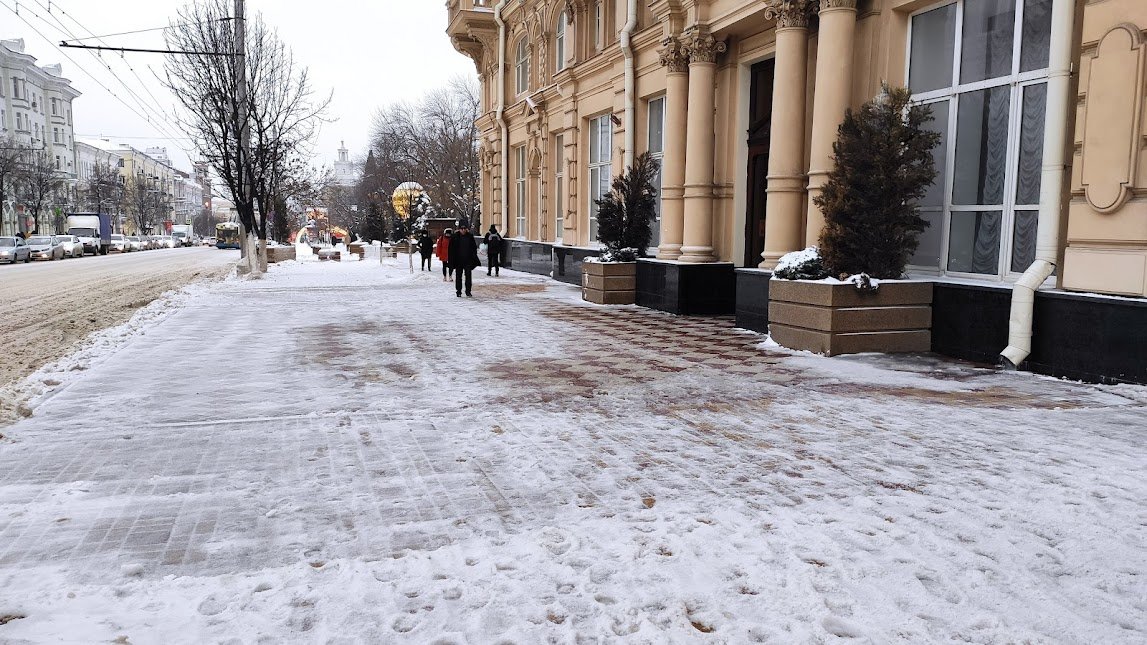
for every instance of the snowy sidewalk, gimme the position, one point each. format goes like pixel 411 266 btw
pixel 343 453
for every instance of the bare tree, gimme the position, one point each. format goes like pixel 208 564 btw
pixel 281 112
pixel 146 203
pixel 433 143
pixel 11 158
pixel 39 183
pixel 102 192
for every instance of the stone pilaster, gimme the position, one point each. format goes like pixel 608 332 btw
pixel 830 100
pixel 697 234
pixel 675 58
pixel 784 210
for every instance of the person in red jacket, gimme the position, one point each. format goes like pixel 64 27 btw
pixel 442 252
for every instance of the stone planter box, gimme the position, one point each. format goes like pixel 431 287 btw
pixel 280 254
pixel 836 319
pixel 609 283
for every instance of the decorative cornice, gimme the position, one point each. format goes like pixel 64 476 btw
pixel 826 5
pixel 702 47
pixel 673 54
pixel 790 14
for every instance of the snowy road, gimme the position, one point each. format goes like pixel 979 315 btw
pixel 50 306
pixel 360 457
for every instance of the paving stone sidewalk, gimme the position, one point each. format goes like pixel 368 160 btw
pixel 394 464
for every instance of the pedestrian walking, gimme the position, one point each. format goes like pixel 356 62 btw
pixel 426 249
pixel 442 251
pixel 493 250
pixel 463 258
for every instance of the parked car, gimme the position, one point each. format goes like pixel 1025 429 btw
pixel 120 243
pixel 13 250
pixel 167 242
pixel 135 242
pixel 73 246
pixel 45 247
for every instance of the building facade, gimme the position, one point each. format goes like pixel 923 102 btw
pixel 36 112
pixel 741 100
pixel 346 172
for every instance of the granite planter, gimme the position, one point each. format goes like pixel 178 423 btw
pixel 609 283
pixel 280 254
pixel 832 318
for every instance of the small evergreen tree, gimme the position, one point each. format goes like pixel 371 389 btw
pixel 883 156
pixel 624 216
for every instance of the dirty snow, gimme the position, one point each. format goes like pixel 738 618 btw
pixel 347 453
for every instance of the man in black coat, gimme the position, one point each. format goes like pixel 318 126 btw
pixel 493 250
pixel 425 249
pixel 463 257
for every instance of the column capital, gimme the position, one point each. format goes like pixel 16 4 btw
pixel 702 47
pixel 674 55
pixel 792 14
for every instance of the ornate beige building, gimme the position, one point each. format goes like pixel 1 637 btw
pixel 1043 175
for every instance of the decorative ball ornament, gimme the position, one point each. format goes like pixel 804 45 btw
pixel 404 196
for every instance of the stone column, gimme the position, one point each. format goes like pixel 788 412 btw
pixel 784 208
pixel 697 234
pixel 676 62
pixel 830 100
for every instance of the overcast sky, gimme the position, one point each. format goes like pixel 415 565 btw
pixel 369 52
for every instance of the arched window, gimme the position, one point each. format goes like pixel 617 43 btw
pixel 560 42
pixel 522 68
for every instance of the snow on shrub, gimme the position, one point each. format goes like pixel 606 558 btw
pixel 801 265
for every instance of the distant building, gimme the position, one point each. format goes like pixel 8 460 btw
pixel 347 172
pixel 35 110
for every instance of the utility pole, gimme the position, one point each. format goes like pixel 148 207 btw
pixel 241 112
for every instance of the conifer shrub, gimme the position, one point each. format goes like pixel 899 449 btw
pixel 883 166
pixel 625 214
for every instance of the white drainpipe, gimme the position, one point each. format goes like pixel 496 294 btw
pixel 1059 104
pixel 500 115
pixel 630 84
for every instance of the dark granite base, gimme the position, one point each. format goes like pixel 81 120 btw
pixel 566 263
pixel 753 299
pixel 528 257
pixel 686 289
pixel 1078 336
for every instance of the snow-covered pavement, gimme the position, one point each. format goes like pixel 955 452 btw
pixel 343 453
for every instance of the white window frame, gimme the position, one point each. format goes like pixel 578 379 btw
pixel 1018 81
pixel 559 187
pixel 600 167
pixel 522 67
pixel 560 42
pixel 520 192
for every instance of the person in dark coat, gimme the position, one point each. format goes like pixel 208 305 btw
pixel 426 249
pixel 442 250
pixel 463 258
pixel 493 250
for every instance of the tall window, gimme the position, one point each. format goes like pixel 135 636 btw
pixel 520 191
pixel 522 68
pixel 559 186
pixel 657 151
pixel 560 43
pixel 600 166
pixel 982 66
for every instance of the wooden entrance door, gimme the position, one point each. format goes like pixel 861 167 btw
pixel 760 116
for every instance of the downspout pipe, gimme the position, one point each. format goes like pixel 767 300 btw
pixel 1059 104
pixel 500 115
pixel 630 83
